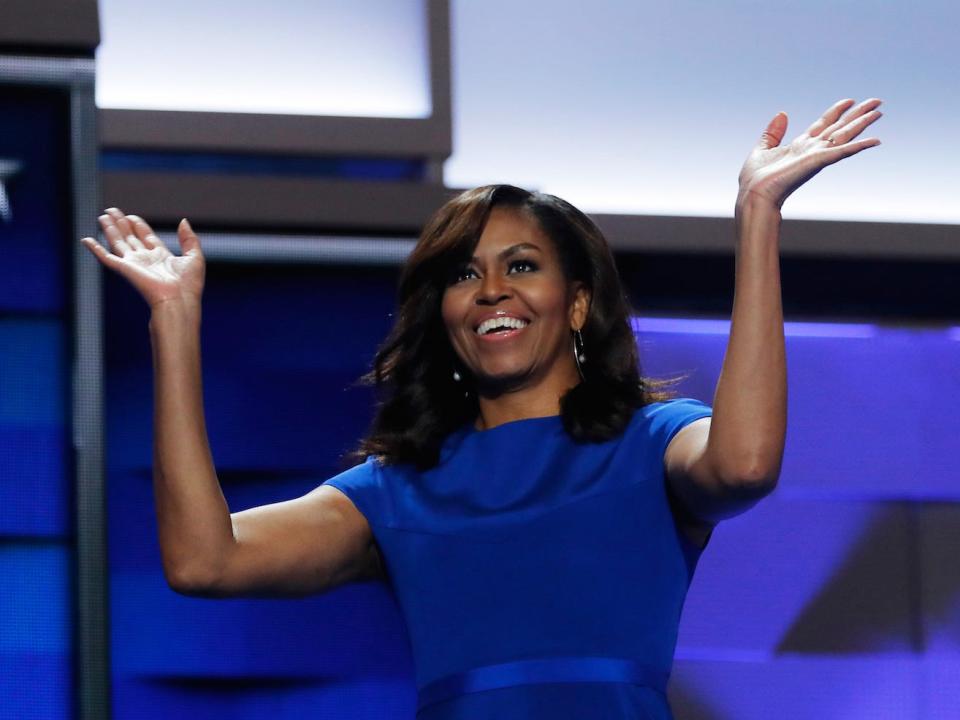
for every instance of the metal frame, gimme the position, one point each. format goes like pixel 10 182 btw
pixel 91 656
pixel 300 249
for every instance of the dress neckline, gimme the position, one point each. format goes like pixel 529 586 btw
pixel 471 430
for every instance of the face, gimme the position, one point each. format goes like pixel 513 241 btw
pixel 509 313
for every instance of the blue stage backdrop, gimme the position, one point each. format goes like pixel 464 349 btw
pixel 836 597
pixel 36 528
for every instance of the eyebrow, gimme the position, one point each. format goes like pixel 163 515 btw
pixel 510 251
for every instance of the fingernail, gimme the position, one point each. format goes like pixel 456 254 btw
pixel 186 223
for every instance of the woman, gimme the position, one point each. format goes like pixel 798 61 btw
pixel 538 507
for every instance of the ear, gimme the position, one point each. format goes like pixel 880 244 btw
pixel 580 306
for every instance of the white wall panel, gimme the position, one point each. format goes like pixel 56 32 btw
pixel 650 108
pixel 302 57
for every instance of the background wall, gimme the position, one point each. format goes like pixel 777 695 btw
pixel 836 597
pixel 37 529
pixel 833 598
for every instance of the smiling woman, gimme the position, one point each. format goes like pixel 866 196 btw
pixel 537 505
pixel 502 252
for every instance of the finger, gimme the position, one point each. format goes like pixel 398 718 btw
pixel 144 232
pixel 113 235
pixel 851 130
pixel 189 242
pixel 102 254
pixel 843 151
pixel 859 111
pixel 830 116
pixel 126 228
pixel 775 131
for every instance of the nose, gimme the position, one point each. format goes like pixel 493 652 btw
pixel 492 290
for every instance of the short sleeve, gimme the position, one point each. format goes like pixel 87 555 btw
pixel 668 418
pixel 364 485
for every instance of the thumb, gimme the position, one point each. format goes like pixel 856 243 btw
pixel 189 242
pixel 775 131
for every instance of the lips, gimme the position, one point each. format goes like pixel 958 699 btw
pixel 501 335
pixel 495 316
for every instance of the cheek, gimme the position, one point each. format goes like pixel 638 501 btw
pixel 451 312
pixel 551 303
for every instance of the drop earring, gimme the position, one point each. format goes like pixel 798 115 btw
pixel 457 377
pixel 579 355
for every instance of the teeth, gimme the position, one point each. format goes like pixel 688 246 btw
pixel 499 322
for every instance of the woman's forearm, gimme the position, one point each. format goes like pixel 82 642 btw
pixel 194 522
pixel 748 428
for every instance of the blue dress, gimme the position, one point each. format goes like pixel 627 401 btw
pixel 538 577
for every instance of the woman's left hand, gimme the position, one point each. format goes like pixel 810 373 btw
pixel 772 172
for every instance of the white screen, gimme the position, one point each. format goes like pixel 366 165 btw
pixel 307 57
pixel 650 108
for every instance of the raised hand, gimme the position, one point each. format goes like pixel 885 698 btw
pixel 773 171
pixel 142 258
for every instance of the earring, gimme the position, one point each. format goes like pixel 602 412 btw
pixel 457 377
pixel 578 352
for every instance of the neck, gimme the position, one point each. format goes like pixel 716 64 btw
pixel 522 403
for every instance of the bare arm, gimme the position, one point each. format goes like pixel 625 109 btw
pixel 305 545
pixel 721 466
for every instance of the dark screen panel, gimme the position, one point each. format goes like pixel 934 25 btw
pixel 36 529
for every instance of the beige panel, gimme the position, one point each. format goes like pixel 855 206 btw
pixel 830 238
pixel 291 202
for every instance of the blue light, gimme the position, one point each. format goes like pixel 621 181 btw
pixel 696 326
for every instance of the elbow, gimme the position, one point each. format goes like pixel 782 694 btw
pixel 191 581
pixel 753 481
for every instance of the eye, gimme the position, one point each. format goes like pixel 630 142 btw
pixel 461 274
pixel 523 266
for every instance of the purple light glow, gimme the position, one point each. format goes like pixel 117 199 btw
pixel 696 326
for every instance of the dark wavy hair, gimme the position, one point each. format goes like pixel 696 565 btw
pixel 420 403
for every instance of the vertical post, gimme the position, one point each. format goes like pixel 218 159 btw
pixel 92 635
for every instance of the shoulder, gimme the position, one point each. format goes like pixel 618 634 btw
pixel 659 422
pixel 368 487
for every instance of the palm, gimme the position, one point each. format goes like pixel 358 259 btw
pixel 773 171
pixel 142 258
pixel 159 272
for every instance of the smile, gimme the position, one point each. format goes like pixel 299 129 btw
pixel 501 326
pixel 500 336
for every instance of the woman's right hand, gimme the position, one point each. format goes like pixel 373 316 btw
pixel 142 258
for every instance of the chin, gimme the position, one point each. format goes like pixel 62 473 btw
pixel 503 379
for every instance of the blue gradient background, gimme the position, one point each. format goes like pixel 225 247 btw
pixel 830 599
pixel 36 473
